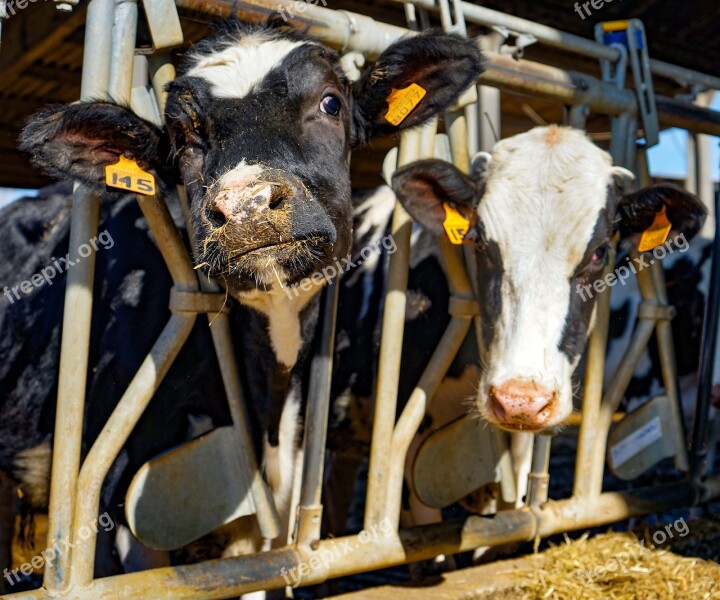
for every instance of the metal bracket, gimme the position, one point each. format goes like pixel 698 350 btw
pixel 522 41
pixel 164 24
pixel 463 307
pixel 631 35
pixel 198 302
pixel 656 312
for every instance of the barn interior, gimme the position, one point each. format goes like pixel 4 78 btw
pixel 42 49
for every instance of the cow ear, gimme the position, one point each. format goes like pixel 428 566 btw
pixel 638 211
pixel 77 141
pixel 442 65
pixel 424 186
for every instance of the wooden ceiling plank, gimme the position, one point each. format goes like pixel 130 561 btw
pixel 46 46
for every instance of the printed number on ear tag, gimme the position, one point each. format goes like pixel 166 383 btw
pixel 127 175
pixel 456 226
pixel 401 103
pixel 657 233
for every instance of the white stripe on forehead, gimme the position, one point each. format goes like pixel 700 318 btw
pixel 543 195
pixel 243 63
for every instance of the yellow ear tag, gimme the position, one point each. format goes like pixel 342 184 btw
pixel 127 175
pixel 456 226
pixel 401 103
pixel 657 233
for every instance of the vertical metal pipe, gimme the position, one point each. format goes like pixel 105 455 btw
pixel 390 348
pixel 96 54
pixel 590 461
pixel 162 72
pixel 77 316
pixel 456 125
pixel 578 115
pixel 708 348
pixel 123 49
pixel 316 420
pixel 67 438
pixel 538 479
pixel 618 140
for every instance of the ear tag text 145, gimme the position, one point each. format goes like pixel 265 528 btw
pixel 456 226
pixel 657 233
pixel 402 102
pixel 127 175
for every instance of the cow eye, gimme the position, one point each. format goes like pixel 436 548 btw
pixel 330 105
pixel 598 257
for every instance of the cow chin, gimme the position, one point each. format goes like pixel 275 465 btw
pixel 264 266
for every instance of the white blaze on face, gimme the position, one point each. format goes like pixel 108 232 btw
pixel 234 70
pixel 542 201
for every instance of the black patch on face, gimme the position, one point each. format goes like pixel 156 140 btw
pixel 577 321
pixel 489 283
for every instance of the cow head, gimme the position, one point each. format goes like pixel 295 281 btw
pixel 543 207
pixel 259 126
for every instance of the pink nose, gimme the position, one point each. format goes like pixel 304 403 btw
pixel 244 202
pixel 519 404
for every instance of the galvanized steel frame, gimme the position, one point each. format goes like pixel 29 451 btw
pixel 75 490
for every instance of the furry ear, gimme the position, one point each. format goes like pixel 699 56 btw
pixel 77 141
pixel 424 186
pixel 685 212
pixel 443 65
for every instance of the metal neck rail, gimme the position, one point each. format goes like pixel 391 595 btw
pixel 75 492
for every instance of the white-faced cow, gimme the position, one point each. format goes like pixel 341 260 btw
pixel 259 126
pixel 543 207
pixel 544 210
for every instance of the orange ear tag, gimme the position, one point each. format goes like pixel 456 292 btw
pixel 456 226
pixel 127 175
pixel 401 103
pixel 657 233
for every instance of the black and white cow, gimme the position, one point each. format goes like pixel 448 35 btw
pixel 259 125
pixel 544 206
pixel 544 211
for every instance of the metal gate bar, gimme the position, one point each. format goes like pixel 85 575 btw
pixel 230 577
pixel 77 316
pixel 568 41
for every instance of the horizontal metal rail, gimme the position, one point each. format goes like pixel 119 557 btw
pixel 349 31
pixel 568 41
pixel 372 549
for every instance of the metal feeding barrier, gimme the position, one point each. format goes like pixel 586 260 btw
pixel 109 64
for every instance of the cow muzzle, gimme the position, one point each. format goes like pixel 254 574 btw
pixel 258 209
pixel 522 405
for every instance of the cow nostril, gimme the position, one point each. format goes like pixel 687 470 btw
pixel 216 217
pixel 278 195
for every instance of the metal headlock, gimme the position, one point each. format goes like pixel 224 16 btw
pixel 109 68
